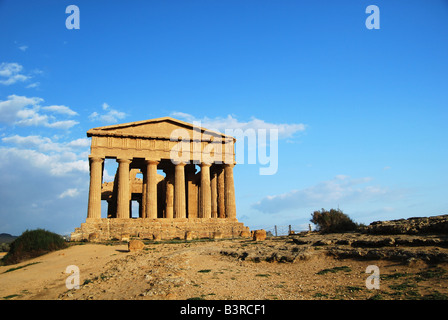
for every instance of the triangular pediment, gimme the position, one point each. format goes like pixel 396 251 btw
pixel 160 128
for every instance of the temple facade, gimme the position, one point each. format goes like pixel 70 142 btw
pixel 187 183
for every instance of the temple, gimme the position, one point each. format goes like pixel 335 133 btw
pixel 187 183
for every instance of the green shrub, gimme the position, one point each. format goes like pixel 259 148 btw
pixel 332 221
pixel 32 244
pixel 4 247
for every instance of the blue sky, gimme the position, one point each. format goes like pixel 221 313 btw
pixel 362 112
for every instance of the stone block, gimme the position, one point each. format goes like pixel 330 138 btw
pixel 245 234
pixel 94 237
pixel 259 235
pixel 125 237
pixel 135 245
pixel 157 236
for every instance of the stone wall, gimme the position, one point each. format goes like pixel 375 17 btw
pixel 424 225
pixel 108 229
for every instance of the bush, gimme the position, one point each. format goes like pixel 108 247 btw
pixel 32 244
pixel 333 221
pixel 4 247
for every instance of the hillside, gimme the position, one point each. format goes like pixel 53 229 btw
pixel 6 238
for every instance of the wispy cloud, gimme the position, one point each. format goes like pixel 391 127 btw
pixel 53 175
pixel 33 85
pixel 24 111
pixel 58 164
pixel 232 123
pixel 20 46
pixel 110 116
pixel 61 110
pixel 72 192
pixel 340 190
pixel 14 107
pixel 11 73
pixel 46 144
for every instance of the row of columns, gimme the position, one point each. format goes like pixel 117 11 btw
pixel 217 191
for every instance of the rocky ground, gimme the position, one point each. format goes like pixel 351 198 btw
pixel 303 266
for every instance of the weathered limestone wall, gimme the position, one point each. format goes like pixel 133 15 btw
pixel 418 225
pixel 108 229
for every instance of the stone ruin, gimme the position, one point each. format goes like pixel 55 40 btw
pixel 181 203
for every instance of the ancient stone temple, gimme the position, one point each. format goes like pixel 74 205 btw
pixel 186 189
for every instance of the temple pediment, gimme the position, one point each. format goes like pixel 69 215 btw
pixel 160 128
pixel 162 139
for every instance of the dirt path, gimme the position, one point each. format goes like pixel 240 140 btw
pixel 200 270
pixel 44 277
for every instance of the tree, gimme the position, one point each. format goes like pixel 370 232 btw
pixel 332 221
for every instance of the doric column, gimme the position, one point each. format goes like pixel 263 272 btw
pixel 144 189
pixel 169 193
pixel 179 191
pixel 123 188
pixel 214 193
pixel 151 189
pixel 192 196
pixel 96 177
pixel 221 194
pixel 230 191
pixel 206 200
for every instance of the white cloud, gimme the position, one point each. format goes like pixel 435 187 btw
pixel 23 111
pixel 45 144
pixel 62 168
pixel 107 176
pixel 72 192
pixel 23 48
pixel 231 123
pixel 31 118
pixel 33 85
pixel 54 181
pixel 81 142
pixel 184 116
pixel 60 110
pixel 35 142
pixel 10 108
pixel 53 164
pixel 340 190
pixel 11 73
pixel 111 116
pixel 94 116
pixel 65 124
